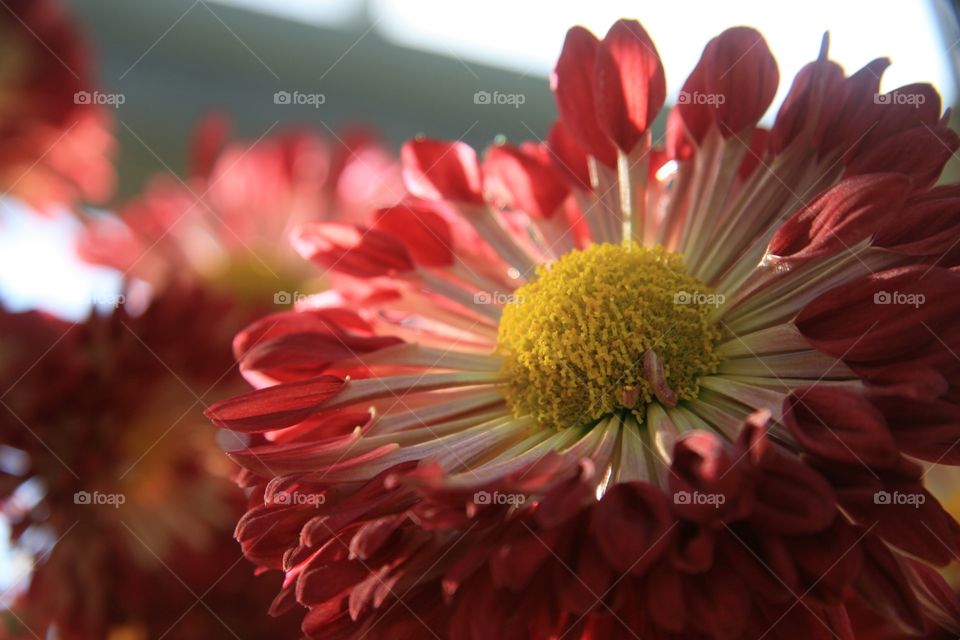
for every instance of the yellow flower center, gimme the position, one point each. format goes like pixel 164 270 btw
pixel 611 328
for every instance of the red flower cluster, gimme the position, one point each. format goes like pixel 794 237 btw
pixel 602 387
pixel 599 385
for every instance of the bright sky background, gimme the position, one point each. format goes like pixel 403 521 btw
pixel 38 265
pixel 526 35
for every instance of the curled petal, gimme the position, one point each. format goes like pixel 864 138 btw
pixel 525 179
pixel 274 407
pixel 702 465
pixel 791 497
pixel 810 97
pixel 732 86
pixel 925 429
pixel 572 83
pixel 939 601
pixel 854 113
pixel 424 233
pixel 630 86
pixel 841 425
pixel 928 226
pixel 631 526
pixel 841 217
pixel 441 170
pixel 902 109
pixel 889 316
pixel 919 153
pixel 351 249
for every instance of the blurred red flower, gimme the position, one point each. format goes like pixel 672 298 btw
pixel 120 477
pixel 55 143
pixel 228 222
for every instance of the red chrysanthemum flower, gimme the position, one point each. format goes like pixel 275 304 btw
pixel 55 143
pixel 227 223
pixel 116 472
pixel 602 387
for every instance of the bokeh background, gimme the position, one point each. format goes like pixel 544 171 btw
pixel 406 67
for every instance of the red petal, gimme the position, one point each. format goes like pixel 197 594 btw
pixel 939 600
pixel 519 178
pixel 840 425
pixel 441 170
pixel 515 562
pixel 709 480
pixel 364 253
pixel 296 356
pixel 925 429
pixel 630 526
pixel 855 110
pixel 331 582
pixel 274 407
pixel 665 598
pixel 906 516
pixel 572 83
pixel 630 87
pixel 791 498
pixel 568 157
pixel 568 498
pixel 265 533
pixel 370 537
pixel 310 320
pixel 592 578
pixel 842 216
pixel 679 145
pixel 828 562
pixel 732 86
pixel 719 603
pixel 920 153
pixel 904 108
pixel 929 226
pixel 885 317
pixel 424 233
pixel 209 139
pixel 813 89
pixel 884 586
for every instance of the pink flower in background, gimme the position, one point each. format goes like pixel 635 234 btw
pixel 227 223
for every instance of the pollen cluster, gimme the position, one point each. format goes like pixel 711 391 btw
pixel 575 339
